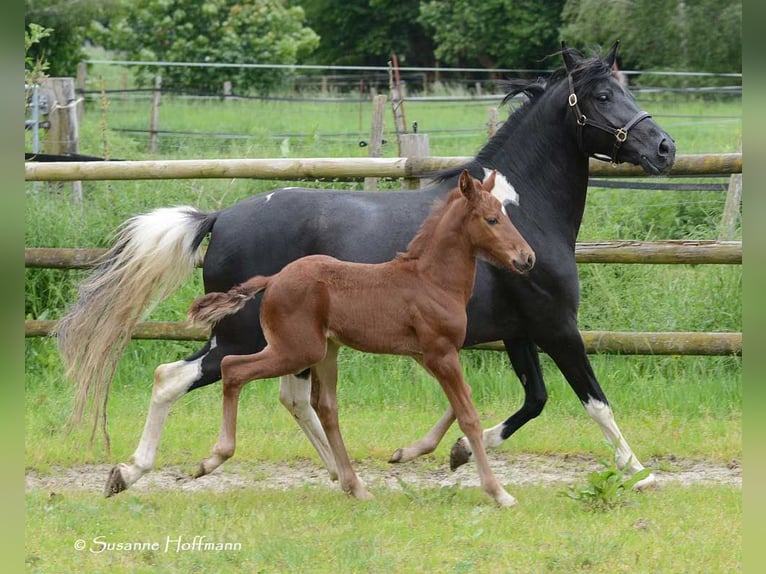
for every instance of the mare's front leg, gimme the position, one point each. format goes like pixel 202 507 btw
pixel 570 357
pixel 526 364
pixel 445 366
pixel 326 380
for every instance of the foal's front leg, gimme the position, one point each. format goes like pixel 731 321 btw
pixel 446 368
pixel 326 379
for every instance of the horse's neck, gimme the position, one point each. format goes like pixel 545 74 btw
pixel 542 161
pixel 449 262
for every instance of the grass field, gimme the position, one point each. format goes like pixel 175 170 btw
pixel 687 407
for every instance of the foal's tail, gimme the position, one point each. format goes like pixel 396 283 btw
pixel 151 257
pixel 212 307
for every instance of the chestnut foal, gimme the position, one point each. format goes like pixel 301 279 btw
pixel 414 305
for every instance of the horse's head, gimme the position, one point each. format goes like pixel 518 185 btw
pixel 608 122
pixel 494 238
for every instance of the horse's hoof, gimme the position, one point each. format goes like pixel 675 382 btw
pixel 505 500
pixel 649 483
pixel 115 484
pixel 459 455
pixel 200 471
pixel 397 456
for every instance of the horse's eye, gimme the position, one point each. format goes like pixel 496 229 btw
pixel 491 220
pixel 603 98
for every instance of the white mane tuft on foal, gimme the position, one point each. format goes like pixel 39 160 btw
pixel 503 189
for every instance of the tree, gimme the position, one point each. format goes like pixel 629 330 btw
pixel 367 32
pixel 69 23
pixel 493 33
pixel 215 31
pixel 693 35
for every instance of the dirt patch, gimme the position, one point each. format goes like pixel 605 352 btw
pixel 517 469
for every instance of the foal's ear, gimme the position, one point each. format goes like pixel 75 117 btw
pixel 612 55
pixel 466 185
pixel 489 181
pixel 569 60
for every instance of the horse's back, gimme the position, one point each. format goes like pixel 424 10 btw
pixel 262 234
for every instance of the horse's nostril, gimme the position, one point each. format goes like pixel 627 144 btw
pixel 665 147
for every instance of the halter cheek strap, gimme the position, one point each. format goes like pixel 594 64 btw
pixel 620 134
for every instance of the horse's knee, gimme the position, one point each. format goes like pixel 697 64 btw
pixel 535 405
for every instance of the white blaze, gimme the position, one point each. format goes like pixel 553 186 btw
pixel 503 189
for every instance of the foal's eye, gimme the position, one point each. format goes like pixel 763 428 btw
pixel 491 220
pixel 602 98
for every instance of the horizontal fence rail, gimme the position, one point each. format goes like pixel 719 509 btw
pixel 326 168
pixel 654 252
pixel 615 342
pixel 612 342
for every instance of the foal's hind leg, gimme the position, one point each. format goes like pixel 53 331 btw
pixel 327 377
pixel 236 372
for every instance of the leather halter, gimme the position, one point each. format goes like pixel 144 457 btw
pixel 620 134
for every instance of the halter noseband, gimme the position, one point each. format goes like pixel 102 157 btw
pixel 620 134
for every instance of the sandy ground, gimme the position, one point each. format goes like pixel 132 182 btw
pixel 516 469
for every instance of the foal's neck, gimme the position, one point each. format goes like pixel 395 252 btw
pixel 450 259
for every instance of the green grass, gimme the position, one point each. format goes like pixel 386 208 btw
pixel 689 407
pixel 319 530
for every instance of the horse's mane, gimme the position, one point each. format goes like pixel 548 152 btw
pixel 418 243
pixel 586 72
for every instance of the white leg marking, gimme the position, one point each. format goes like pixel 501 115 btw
pixel 171 381
pixel 295 396
pixel 624 457
pixel 492 438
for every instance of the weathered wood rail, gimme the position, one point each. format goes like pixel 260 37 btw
pixel 629 343
pixel 326 168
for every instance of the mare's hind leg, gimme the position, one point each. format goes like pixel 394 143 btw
pixel 326 380
pixel 171 381
pixel 526 364
pixel 295 396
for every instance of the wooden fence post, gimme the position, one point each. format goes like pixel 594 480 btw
pixel 491 121
pixel 64 133
pixel 731 208
pixel 376 136
pixel 414 146
pixel 155 121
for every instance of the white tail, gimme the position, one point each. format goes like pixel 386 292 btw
pixel 152 255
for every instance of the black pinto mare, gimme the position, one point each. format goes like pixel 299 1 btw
pixel 542 152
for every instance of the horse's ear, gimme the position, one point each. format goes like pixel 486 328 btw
pixel 489 181
pixel 569 60
pixel 465 183
pixel 612 55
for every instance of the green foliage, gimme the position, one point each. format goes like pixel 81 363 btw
pixel 606 489
pixel 703 35
pixel 215 31
pixel 367 32
pixel 35 66
pixel 493 33
pixel 69 23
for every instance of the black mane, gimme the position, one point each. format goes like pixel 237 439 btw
pixel 585 74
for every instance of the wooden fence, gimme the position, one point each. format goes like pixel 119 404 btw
pixel 667 252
